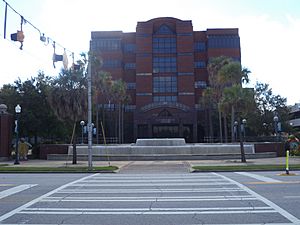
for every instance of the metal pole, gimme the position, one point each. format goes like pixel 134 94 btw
pixel 287 163
pixel 89 79
pixel 17 140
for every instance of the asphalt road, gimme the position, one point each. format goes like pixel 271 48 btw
pixel 150 197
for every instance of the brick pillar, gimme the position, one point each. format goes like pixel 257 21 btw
pixel 6 122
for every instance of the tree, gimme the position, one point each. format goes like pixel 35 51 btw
pixel 68 97
pixel 242 100
pixel 213 69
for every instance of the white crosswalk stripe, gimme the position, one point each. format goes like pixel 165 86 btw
pixel 188 195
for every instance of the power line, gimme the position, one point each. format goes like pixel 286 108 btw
pixel 43 38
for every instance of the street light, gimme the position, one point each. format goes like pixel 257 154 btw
pixel 276 119
pixel 18 111
pixel 82 123
pixel 240 128
pixel 243 128
pixel 235 129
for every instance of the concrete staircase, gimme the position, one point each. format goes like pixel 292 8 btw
pixel 161 149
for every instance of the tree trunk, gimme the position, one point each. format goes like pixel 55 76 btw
pixel 225 129
pixel 220 125
pixel 73 140
pixel 119 123
pixel 232 123
pixel 211 129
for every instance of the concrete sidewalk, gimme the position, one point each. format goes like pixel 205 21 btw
pixel 120 164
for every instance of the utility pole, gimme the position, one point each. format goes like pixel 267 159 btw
pixel 89 79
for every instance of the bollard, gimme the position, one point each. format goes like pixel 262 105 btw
pixel 287 162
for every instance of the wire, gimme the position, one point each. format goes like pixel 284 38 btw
pixel 28 22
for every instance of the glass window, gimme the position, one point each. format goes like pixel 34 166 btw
pixel 131 86
pixel 164 84
pixel 164 29
pixel 129 48
pixel 200 84
pixel 164 64
pixel 200 46
pixel 111 63
pixel 200 64
pixel 164 45
pixel 168 98
pixel 129 66
pixel 106 44
pixel 223 41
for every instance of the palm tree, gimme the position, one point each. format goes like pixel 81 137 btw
pixel 214 67
pixel 68 98
pixel 242 100
pixel 230 74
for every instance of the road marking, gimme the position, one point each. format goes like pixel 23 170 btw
pixel 147 199
pixel 6 185
pixel 259 177
pixel 282 182
pixel 149 211
pixel 15 190
pixel 280 210
pixel 28 204
pixel 150 190
pixel 148 181
pixel 295 196
pixel 150 184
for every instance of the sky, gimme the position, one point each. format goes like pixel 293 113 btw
pixel 269 32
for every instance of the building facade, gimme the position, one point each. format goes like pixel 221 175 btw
pixel 164 66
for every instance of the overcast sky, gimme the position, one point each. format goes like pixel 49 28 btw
pixel 269 32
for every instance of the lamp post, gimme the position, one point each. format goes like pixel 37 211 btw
pixel 18 111
pixel 243 128
pixel 240 128
pixel 276 119
pixel 82 123
pixel 235 128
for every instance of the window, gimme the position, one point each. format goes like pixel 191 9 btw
pixel 131 86
pixel 106 44
pixel 200 64
pixel 111 63
pixel 164 84
pixel 223 41
pixel 164 29
pixel 164 64
pixel 129 48
pixel 200 46
pixel 169 98
pixel 200 84
pixel 164 45
pixel 129 66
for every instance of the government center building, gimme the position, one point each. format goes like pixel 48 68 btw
pixel 164 65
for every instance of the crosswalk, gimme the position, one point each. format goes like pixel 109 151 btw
pixel 190 199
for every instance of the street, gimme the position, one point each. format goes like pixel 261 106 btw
pixel 134 198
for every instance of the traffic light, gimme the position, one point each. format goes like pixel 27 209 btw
pixel 19 36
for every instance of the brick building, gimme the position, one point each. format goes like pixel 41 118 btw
pixel 164 66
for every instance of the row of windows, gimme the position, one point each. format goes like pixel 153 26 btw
pixel 200 64
pixel 164 64
pixel 200 47
pixel 168 45
pixel 164 45
pixel 201 84
pixel 223 41
pixel 106 44
pixel 170 98
pixel 164 84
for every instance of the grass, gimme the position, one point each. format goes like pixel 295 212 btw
pixel 65 169
pixel 243 168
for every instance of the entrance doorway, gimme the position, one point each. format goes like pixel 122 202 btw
pixel 165 131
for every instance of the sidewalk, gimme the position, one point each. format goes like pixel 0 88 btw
pixel 120 164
